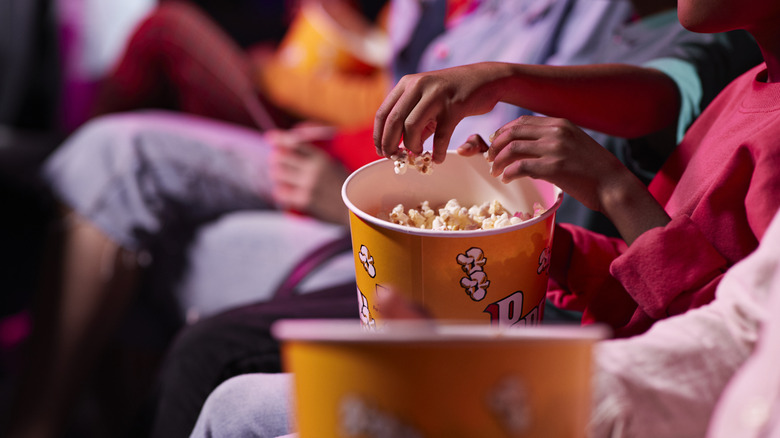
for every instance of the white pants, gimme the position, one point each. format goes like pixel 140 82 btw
pixel 183 186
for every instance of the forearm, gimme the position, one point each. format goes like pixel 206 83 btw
pixel 600 97
pixel 621 100
pixel 624 199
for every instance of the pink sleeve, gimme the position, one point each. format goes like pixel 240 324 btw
pixel 582 257
pixel 580 278
pixel 677 251
pixel 761 200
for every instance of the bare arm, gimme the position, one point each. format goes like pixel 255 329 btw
pixel 558 151
pixel 617 99
pixel 621 100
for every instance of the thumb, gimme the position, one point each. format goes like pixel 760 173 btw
pixel 474 145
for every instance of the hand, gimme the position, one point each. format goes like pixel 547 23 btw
pixel 556 151
pixel 434 103
pixel 474 145
pixel 393 306
pixel 306 178
pixel 561 153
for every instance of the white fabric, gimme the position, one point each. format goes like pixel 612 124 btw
pixel 666 382
pixel 100 30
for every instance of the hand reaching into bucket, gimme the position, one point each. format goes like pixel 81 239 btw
pixel 561 153
pixel 556 151
pixel 591 96
pixel 433 103
pixel 396 306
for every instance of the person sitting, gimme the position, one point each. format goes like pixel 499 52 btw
pixel 167 181
pixel 197 352
pixel 720 177
pixel 185 56
pixel 709 372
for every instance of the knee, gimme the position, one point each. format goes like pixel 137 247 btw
pixel 247 405
pixel 100 128
pixel 232 394
pixel 102 140
pixel 107 129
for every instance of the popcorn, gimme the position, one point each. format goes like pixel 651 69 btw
pixel 405 158
pixel 453 217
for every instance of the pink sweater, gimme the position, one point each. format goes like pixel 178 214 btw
pixel 721 188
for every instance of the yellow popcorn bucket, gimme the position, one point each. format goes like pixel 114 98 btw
pixel 412 380
pixel 496 276
pixel 318 41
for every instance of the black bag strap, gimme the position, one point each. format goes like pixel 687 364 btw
pixel 310 263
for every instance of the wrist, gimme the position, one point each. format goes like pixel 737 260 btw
pixel 630 206
pixel 619 193
pixel 501 80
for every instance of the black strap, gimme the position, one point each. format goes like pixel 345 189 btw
pixel 310 263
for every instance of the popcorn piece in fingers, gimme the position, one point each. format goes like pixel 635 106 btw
pixel 405 159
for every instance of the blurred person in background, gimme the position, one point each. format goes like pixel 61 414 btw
pixel 265 65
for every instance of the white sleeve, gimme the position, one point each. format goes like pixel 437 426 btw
pixel 666 382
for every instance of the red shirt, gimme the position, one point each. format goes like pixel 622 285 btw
pixel 721 187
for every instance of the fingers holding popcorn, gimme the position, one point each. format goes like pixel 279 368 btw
pixel 433 103
pixel 404 159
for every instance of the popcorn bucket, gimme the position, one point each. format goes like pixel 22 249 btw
pixel 318 41
pixel 496 276
pixel 413 380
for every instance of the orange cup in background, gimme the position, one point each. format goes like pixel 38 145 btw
pixel 416 380
pixel 494 276
pixel 318 42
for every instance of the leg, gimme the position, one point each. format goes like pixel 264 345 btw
pixel 246 255
pixel 253 405
pixel 131 179
pixel 137 175
pixel 231 343
pixel 180 59
pixel 93 286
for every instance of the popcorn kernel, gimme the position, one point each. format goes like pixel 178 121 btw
pixel 454 217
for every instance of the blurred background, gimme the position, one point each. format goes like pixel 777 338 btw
pixel 54 57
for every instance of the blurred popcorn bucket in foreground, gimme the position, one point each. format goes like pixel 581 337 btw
pixel 416 380
pixel 496 276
